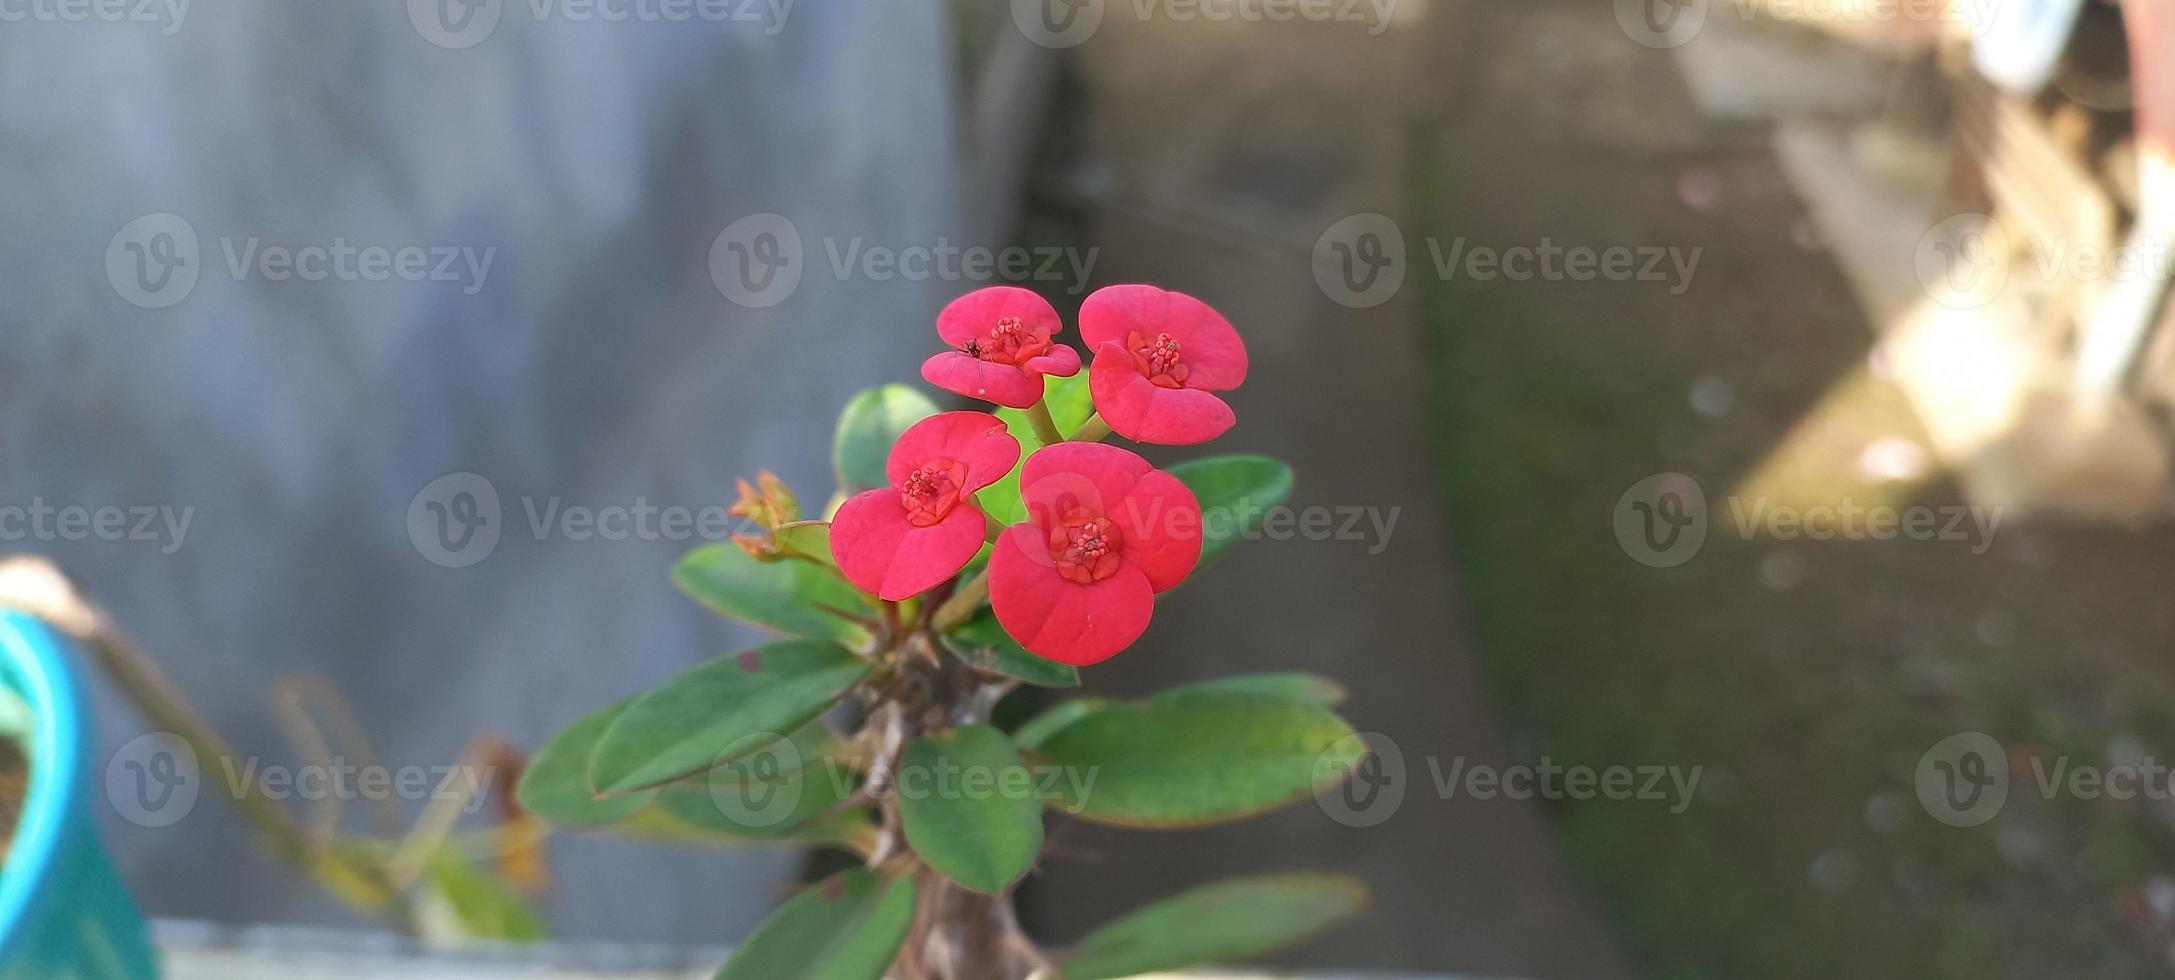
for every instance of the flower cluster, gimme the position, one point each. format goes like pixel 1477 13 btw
pixel 1105 531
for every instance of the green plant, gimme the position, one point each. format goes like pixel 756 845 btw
pixel 966 555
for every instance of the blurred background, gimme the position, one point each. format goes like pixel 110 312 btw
pixel 1738 429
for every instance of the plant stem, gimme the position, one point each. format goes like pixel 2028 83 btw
pixel 1092 430
pixel 963 604
pixel 1038 414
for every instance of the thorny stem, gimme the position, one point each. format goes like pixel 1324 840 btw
pixel 957 934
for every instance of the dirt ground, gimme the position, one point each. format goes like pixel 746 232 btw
pixel 1808 677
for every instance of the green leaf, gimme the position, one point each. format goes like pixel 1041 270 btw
pixel 849 927
pixel 1070 404
pixel 723 709
pixel 873 421
pixel 983 643
pixel 1230 920
pixel 970 808
pixel 1292 686
pixel 1185 759
pixel 555 784
pixel 1038 729
pixel 474 904
pixel 750 800
pixel 1236 493
pixel 810 538
pixel 782 595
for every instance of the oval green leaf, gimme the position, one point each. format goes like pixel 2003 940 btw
pixel 787 595
pixel 871 422
pixel 849 927
pixel 1186 759
pixel 970 808
pixel 1037 730
pixel 983 643
pixel 1230 920
pixel 723 709
pixel 1236 493
pixel 757 804
pixel 555 783
pixel 1289 686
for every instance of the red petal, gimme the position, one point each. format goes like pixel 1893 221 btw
pixel 970 317
pixel 1062 361
pixel 1214 355
pixel 1072 475
pixel 1161 521
pixel 1064 621
pixel 978 439
pixel 885 554
pixel 1138 410
pixel 976 378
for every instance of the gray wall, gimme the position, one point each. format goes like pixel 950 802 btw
pixel 597 363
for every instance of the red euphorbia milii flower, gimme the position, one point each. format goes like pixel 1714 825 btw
pixel 1001 347
pixel 906 539
pixel 1158 357
pixel 1105 532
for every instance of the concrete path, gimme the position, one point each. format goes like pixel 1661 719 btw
pixel 1215 156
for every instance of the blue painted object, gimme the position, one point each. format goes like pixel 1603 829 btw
pixel 63 912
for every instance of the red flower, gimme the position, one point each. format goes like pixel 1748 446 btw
pixel 1105 532
pixel 1158 357
pixel 899 542
pixel 1001 347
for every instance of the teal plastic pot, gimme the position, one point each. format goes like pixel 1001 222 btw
pixel 63 912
